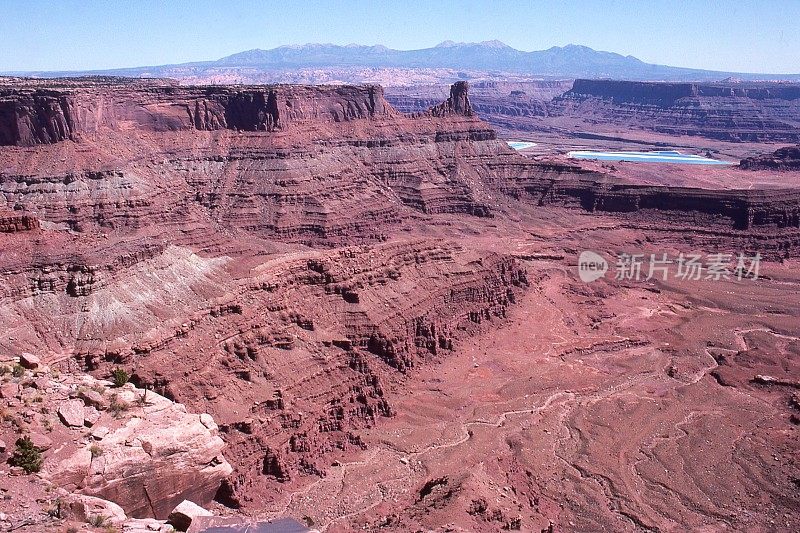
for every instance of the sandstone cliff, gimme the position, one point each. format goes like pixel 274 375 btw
pixel 10 222
pixel 786 158
pixel 46 116
pixel 126 445
pixel 335 150
pixel 747 112
pixel 738 209
pixel 666 94
pixel 282 256
pixel 731 112
pixel 35 117
pixel 457 103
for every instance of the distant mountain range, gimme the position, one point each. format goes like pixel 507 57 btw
pixel 490 59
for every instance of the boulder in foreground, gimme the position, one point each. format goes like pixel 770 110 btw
pixel 147 454
pixel 94 510
pixel 185 514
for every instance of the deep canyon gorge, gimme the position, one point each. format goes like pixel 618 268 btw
pixel 360 308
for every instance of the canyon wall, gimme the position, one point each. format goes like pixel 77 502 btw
pixel 340 161
pixel 206 239
pixel 732 112
pixel 739 209
pixel 786 158
pixel 310 165
pixel 36 117
pixel 44 116
pixel 737 112
pixel 666 94
pixel 281 256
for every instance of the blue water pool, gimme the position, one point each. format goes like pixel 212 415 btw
pixel 520 145
pixel 669 156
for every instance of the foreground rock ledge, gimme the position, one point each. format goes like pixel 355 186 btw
pixel 146 454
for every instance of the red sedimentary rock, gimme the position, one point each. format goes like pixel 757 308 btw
pixel 456 104
pixel 786 158
pixel 11 222
pixel 336 283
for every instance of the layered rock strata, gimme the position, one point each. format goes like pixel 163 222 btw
pixel 31 116
pixel 297 163
pixel 99 443
pixel 730 112
pixel 262 253
pixel 786 158
pixel 746 112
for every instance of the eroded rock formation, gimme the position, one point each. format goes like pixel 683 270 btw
pixel 739 209
pixel 35 117
pixel 285 258
pixel 739 112
pixel 457 103
pixel 131 447
pixel 11 222
pixel 31 116
pixel 786 158
pixel 736 112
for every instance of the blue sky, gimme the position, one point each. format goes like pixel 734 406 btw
pixel 751 36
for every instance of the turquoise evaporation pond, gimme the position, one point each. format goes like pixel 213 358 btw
pixel 647 157
pixel 520 145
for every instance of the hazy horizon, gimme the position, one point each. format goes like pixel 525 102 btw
pixel 752 37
